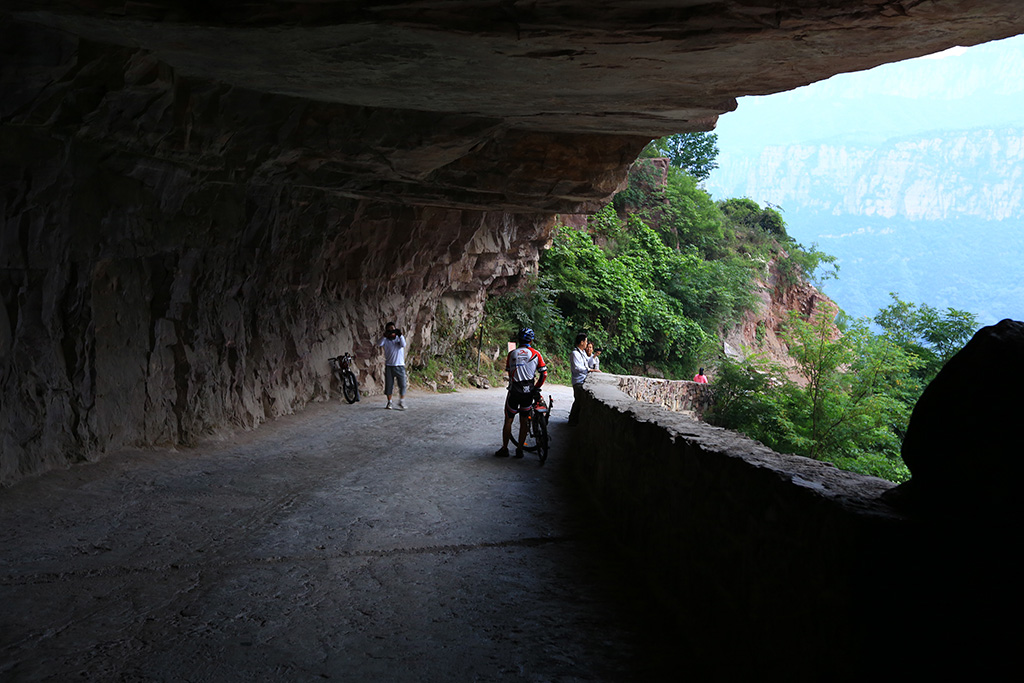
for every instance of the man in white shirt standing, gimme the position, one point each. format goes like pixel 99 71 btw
pixel 394 364
pixel 580 369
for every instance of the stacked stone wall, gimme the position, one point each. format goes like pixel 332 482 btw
pixel 678 395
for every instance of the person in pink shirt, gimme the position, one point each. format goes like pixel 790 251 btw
pixel 699 378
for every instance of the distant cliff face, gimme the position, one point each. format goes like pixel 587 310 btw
pixel 974 173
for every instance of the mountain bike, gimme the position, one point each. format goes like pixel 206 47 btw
pixel 537 440
pixel 341 369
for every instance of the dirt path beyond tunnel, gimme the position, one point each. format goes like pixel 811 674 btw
pixel 344 543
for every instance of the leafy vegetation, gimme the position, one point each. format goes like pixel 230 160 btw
pixel 925 332
pixel 642 300
pixel 847 408
pixel 857 390
pixel 657 276
pixel 692 153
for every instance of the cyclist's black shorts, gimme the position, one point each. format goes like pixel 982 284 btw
pixel 517 403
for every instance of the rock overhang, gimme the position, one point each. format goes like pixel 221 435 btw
pixel 202 202
pixel 522 107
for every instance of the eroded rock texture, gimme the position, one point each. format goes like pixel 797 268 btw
pixel 202 201
pixel 760 330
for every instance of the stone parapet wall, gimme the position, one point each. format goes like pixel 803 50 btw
pixel 779 567
pixel 678 395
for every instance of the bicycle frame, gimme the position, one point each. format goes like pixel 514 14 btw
pixel 341 369
pixel 537 427
pixel 343 362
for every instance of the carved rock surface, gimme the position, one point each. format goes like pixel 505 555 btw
pixel 963 445
pixel 155 307
pixel 201 202
pixel 478 104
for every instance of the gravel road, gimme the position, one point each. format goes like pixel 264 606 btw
pixel 347 542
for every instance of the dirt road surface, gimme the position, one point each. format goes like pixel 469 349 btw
pixel 346 543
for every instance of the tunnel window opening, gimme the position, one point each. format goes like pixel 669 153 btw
pixel 908 173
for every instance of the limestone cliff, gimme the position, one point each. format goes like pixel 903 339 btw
pixel 937 176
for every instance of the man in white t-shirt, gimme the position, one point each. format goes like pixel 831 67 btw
pixel 580 368
pixel 394 364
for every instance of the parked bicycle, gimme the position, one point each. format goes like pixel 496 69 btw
pixel 537 440
pixel 341 370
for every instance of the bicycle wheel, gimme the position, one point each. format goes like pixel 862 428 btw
pixel 349 386
pixel 540 436
pixel 529 443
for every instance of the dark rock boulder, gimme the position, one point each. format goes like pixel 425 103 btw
pixel 964 443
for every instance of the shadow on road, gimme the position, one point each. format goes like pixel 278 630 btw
pixel 347 542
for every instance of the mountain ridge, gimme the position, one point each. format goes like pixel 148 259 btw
pixel 941 176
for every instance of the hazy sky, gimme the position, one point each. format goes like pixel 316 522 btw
pixel 961 88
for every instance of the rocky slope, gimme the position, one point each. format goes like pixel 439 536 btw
pixel 760 330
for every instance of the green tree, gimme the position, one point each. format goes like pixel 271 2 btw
pixel 749 214
pixel 757 398
pixel 847 409
pixel 849 406
pixel 925 332
pixel 647 303
pixel 643 189
pixel 694 153
pixel 689 217
pixel 803 264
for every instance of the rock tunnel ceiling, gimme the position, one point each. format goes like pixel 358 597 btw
pixel 203 201
pixel 424 99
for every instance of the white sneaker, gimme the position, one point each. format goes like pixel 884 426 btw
pixel 388 406
pixel 401 404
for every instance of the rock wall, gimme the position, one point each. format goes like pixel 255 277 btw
pixel 779 567
pixel 162 276
pixel 144 304
pixel 909 177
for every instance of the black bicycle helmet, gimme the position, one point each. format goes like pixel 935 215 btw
pixel 525 335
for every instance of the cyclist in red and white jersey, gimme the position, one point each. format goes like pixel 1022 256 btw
pixel 522 365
